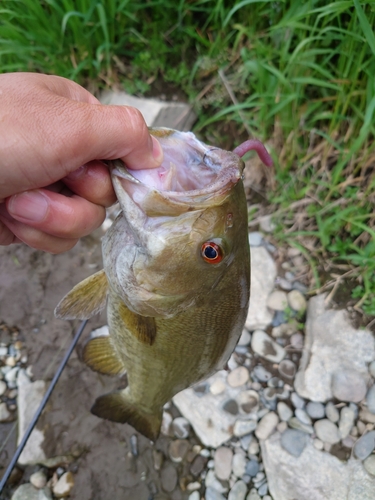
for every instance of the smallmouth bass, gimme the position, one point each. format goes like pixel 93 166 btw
pixel 176 277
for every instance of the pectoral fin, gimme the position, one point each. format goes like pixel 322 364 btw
pixel 117 407
pixel 86 299
pixel 143 327
pixel 100 356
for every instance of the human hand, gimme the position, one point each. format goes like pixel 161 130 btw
pixel 53 186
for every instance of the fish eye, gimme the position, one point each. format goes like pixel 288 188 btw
pixel 212 252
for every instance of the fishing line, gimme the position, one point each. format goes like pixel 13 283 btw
pixel 41 406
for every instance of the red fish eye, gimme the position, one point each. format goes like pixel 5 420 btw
pixel 211 252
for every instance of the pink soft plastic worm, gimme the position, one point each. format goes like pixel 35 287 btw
pixel 254 144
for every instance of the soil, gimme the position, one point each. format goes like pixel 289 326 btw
pixel 32 283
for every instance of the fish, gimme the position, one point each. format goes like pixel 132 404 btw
pixel 175 278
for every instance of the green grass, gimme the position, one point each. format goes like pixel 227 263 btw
pixel 300 75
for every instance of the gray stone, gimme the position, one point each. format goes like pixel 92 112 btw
pixel 367 416
pixel 347 416
pixel 313 473
pixel 267 425
pixel 238 492
pixel 253 495
pixel 294 423
pixel 231 406
pixel 223 462
pixel 348 442
pixel 297 341
pixel 297 301
pixel 30 395
pixel 156 113
pixel 365 445
pixel 255 239
pixel 168 477
pixel 5 414
pixel 238 377
pixel 263 489
pixel 332 412
pixel 263 274
pixel 238 465
pixel 243 427
pixel 28 492
pixel 303 416
pixel 294 441
pixel 252 468
pixel 331 345
pixel 369 464
pixel 265 346
pixel 327 431
pixel 371 368
pixel 277 300
pixel 284 411
pixel 245 338
pixel 211 481
pixel 3 387
pixel 348 385
pixel 315 410
pixel 177 450
pixel 370 399
pixel 248 401
pixel 261 373
pixel 212 494
pixel 287 368
pixel 297 401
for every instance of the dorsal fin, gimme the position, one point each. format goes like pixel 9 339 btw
pixel 100 356
pixel 86 299
pixel 143 327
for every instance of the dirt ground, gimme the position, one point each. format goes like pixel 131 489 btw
pixel 32 283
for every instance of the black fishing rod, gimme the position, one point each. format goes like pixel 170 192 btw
pixel 41 406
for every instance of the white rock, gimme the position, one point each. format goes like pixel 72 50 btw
pixel 327 431
pixel 265 346
pixel 64 485
pixel 331 345
pixel 277 300
pixel 296 300
pixel 238 377
pixel 312 473
pixel 166 423
pixel 263 274
pixel 156 113
pixel 267 425
pixel 223 462
pixel 28 492
pixel 238 465
pixel 30 395
pixel 217 387
pixel 38 479
pixel 194 496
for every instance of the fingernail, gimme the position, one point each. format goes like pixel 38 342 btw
pixel 157 151
pixel 29 206
pixel 76 174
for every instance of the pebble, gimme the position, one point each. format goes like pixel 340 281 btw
pixel 253 495
pixel 193 486
pixel 194 496
pixel 212 494
pixel 217 387
pixel 277 300
pixel 262 344
pixel 238 492
pixel 348 385
pixel 367 416
pixel 294 423
pixel 211 481
pixel 267 425
pixel 178 449
pixel 365 445
pixel 327 431
pixel 238 377
pixel 223 462
pixel 166 423
pixel 5 415
pixel 287 368
pixel 297 341
pixel 348 442
pixel 278 319
pixel 3 387
pixel 297 301
pixel 3 351
pixel 369 464
pixel 11 361
pixel 181 427
pixel 318 444
pixel 332 412
pixel 38 479
pixel 168 477
pixel 347 416
pixel 370 399
pixel 231 407
pixel 243 427
pixel 28 492
pixel 238 464
pixel 252 468
pixel 294 441
pixel 158 459
pixel 11 375
pixel 315 410
pixel 262 490
pixel 248 401
pixel 361 427
pixel 261 373
pixel 253 447
pixel 64 485
pixel 285 413
pixel 198 465
pixel 297 401
pixel 255 239
pixel 303 416
pixel 371 368
pixel 284 284
pixel 245 338
pixel 281 427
